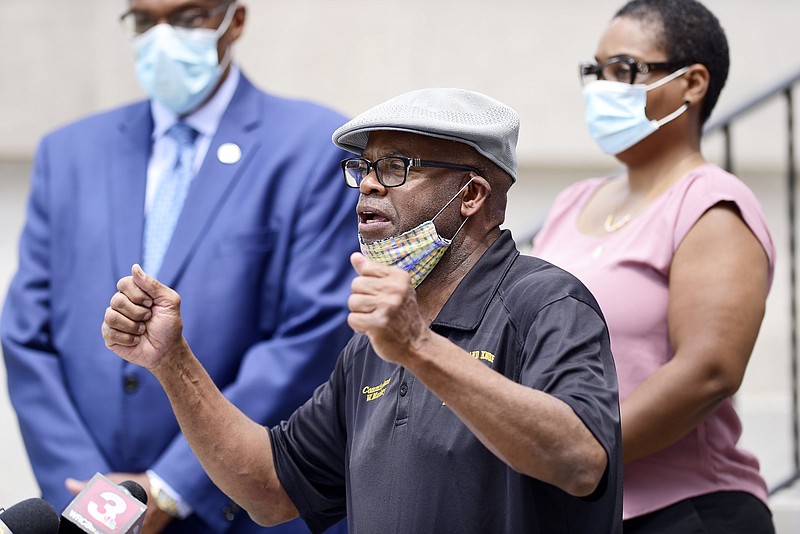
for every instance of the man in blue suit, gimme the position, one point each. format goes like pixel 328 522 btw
pixel 261 262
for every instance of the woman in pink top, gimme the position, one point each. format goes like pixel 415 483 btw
pixel 678 255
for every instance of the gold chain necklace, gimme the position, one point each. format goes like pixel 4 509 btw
pixel 610 226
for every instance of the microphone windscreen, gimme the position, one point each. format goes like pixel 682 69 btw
pixel 103 507
pixel 31 516
pixel 135 489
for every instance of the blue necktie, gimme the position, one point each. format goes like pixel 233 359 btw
pixel 168 203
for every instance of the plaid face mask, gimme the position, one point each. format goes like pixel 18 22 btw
pixel 416 251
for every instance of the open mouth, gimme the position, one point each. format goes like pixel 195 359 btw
pixel 370 217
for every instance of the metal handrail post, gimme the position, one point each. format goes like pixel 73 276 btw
pixel 726 132
pixel 791 186
pixel 791 182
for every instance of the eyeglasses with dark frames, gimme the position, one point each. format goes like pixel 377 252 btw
pixel 622 69
pixel 137 22
pixel 391 171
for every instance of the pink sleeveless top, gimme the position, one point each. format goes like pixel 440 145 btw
pixel 628 273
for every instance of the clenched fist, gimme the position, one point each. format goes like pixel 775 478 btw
pixel 143 322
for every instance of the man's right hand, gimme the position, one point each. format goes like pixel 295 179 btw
pixel 143 323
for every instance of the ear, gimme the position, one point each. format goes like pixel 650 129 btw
pixel 232 33
pixel 237 24
pixel 475 195
pixel 697 79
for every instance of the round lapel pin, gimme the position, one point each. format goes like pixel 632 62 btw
pixel 229 153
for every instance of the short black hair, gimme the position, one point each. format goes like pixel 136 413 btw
pixel 690 34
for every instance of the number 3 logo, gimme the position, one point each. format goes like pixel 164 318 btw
pixel 113 506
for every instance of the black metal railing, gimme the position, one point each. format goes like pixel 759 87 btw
pixel 724 124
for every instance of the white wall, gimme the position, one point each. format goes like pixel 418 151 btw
pixel 65 58
pixel 62 59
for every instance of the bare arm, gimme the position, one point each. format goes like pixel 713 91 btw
pixel 143 325
pixel 718 288
pixel 534 433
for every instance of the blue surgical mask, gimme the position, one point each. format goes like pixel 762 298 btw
pixel 615 112
pixel 180 67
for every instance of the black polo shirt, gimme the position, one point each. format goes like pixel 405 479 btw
pixel 375 444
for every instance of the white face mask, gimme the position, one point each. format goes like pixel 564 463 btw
pixel 180 67
pixel 615 112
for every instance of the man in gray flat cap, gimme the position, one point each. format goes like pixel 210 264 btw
pixel 478 393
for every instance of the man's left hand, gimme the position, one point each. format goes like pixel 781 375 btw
pixel 383 305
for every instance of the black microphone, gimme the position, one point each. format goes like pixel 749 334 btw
pixel 31 516
pixel 135 489
pixel 103 507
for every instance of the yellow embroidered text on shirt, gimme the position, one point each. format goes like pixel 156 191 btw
pixel 482 355
pixel 374 392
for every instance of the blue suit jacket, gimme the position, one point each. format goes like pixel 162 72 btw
pixel 259 256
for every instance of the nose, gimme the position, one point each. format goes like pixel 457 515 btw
pixel 370 183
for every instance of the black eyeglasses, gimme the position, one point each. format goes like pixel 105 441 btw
pixel 137 22
pixel 391 171
pixel 621 69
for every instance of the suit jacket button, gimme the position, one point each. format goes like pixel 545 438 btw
pixel 131 383
pixel 230 511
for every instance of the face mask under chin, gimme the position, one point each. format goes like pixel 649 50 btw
pixel 416 251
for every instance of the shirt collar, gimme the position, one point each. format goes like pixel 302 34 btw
pixel 468 303
pixel 206 119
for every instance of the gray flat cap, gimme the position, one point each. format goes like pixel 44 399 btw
pixel 487 125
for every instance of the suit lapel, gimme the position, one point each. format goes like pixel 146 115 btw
pixel 127 181
pixel 214 181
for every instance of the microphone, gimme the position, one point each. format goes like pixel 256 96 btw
pixel 135 489
pixel 31 516
pixel 103 507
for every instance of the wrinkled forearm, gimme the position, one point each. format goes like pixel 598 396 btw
pixel 534 433
pixel 234 450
